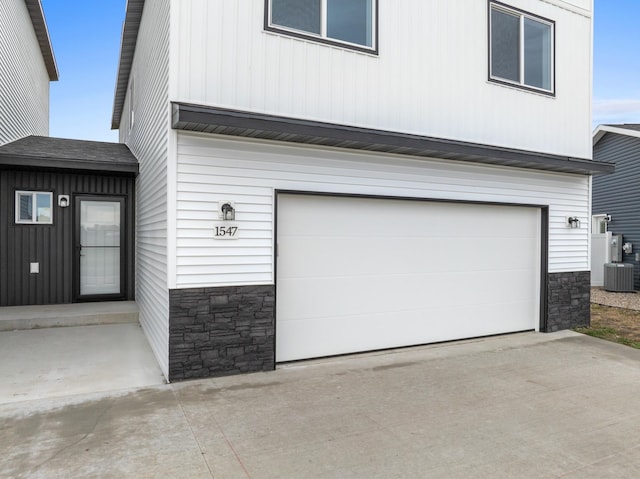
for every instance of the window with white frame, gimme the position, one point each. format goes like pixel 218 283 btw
pixel 351 23
pixel 521 48
pixel 34 207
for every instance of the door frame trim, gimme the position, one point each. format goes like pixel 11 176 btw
pixel 77 297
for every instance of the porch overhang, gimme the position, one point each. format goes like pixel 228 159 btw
pixel 46 153
pixel 207 119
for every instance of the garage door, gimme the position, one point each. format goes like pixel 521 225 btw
pixel 359 274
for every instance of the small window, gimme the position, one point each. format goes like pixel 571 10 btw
pixel 345 22
pixel 521 48
pixel 34 207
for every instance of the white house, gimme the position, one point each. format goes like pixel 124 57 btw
pixel 326 177
pixel 27 65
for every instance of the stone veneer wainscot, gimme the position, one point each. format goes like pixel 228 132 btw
pixel 221 331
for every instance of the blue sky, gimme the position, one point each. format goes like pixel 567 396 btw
pixel 86 42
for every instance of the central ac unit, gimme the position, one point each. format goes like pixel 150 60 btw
pixel 618 277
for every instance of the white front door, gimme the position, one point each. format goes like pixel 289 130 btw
pixel 359 274
pixel 100 246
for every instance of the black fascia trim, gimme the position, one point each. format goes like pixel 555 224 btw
pixel 197 118
pixel 128 42
pixel 327 41
pixel 19 162
pixel 552 92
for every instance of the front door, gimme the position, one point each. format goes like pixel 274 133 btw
pixel 99 248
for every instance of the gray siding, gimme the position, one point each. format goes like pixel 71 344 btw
pixel 51 245
pixel 618 194
pixel 24 81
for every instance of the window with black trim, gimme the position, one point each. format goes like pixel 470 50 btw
pixel 521 48
pixel 34 207
pixel 351 23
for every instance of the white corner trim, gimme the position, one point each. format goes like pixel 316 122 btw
pixel 602 130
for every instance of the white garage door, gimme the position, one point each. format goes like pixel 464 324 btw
pixel 359 274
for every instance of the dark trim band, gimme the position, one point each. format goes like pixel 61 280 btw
pixel 206 119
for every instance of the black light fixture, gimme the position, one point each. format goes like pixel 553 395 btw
pixel 63 201
pixel 228 211
pixel 573 222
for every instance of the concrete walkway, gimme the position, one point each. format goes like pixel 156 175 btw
pixel 520 406
pixel 56 362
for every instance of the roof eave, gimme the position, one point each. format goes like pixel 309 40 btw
pixel 128 40
pixel 42 34
pixel 602 130
pixel 208 119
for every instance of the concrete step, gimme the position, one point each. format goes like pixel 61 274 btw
pixel 60 315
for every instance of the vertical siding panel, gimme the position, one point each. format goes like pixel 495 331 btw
pixel 427 79
pixel 24 81
pixel 50 245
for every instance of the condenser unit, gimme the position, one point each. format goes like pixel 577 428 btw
pixel 618 277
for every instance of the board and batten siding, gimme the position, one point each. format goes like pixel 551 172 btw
pixel 148 139
pixel 24 81
pixel 618 194
pixel 428 78
pixel 211 169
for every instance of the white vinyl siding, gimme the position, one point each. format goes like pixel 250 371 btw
pixel 148 140
pixel 226 59
pixel 24 81
pixel 212 168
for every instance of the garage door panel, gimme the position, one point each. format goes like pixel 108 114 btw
pixel 347 334
pixel 325 256
pixel 318 297
pixel 357 274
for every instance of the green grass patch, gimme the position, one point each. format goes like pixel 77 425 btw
pixel 610 334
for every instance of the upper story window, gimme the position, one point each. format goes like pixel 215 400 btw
pixel 349 23
pixel 34 207
pixel 521 48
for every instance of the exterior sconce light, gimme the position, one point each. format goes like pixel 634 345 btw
pixel 573 222
pixel 63 201
pixel 227 211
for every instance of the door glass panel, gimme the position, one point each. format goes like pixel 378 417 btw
pixel 100 247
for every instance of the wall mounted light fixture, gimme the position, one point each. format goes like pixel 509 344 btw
pixel 573 222
pixel 227 210
pixel 63 201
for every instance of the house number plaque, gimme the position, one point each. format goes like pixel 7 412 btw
pixel 225 230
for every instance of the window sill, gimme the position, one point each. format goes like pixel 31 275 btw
pixel 524 88
pixel 319 40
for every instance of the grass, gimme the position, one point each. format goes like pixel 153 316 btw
pixel 614 324
pixel 610 334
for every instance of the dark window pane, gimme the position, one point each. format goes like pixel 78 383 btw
pixel 537 54
pixel 505 45
pixel 298 14
pixel 26 207
pixel 350 21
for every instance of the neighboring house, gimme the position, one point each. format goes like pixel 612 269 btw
pixel 27 65
pixel 616 197
pixel 328 177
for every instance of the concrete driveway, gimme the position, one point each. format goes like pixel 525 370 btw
pixel 519 406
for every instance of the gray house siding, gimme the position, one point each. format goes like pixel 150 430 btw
pixel 618 194
pixel 52 245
